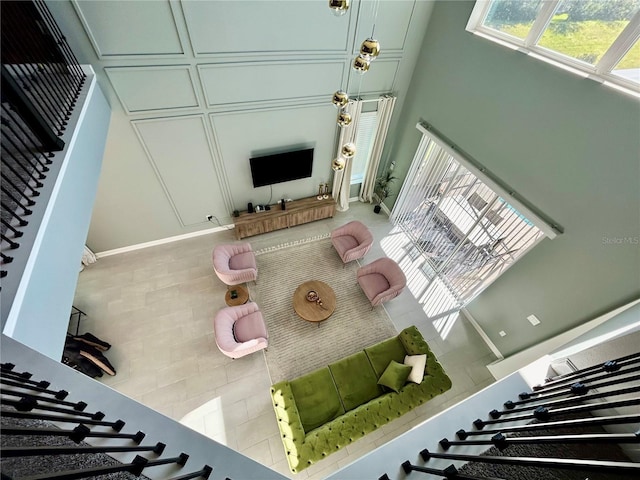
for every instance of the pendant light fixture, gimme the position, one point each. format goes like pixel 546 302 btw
pixel 370 48
pixel 339 7
pixel 340 99
pixel 344 119
pixel 338 164
pixel 361 64
pixel 348 150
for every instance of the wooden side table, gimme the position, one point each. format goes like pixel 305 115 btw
pixel 242 295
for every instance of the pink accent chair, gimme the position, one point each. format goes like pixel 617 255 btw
pixel 352 240
pixel 240 330
pixel 381 280
pixel 235 263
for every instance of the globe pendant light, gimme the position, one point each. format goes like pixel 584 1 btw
pixel 339 7
pixel 361 64
pixel 370 48
pixel 344 119
pixel 348 150
pixel 338 164
pixel 340 98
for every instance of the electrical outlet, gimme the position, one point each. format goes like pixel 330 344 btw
pixel 208 218
pixel 533 320
pixel 502 333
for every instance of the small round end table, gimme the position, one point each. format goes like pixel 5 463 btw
pixel 241 295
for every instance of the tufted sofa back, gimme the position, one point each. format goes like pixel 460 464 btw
pixel 304 449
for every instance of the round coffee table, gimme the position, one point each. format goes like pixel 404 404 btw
pixel 311 311
pixel 242 295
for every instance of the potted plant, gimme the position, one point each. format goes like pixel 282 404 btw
pixel 383 188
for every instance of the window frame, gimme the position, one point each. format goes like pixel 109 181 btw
pixel 602 72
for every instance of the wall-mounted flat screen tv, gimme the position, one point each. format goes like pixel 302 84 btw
pixel 281 167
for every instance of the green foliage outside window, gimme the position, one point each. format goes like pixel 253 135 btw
pixel 582 29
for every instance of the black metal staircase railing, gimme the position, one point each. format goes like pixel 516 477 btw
pixel 41 84
pixel 558 415
pixel 34 401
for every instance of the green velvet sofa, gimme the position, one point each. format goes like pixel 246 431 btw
pixel 326 410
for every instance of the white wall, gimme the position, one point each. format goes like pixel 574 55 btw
pixel 178 439
pixel 259 73
pixel 39 315
pixel 389 457
pixel 567 144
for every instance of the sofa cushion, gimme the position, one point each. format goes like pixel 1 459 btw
pixel 374 282
pixel 316 398
pixel 395 376
pixel 356 381
pixel 344 243
pixel 249 327
pixel 418 363
pixel 381 354
pixel 242 261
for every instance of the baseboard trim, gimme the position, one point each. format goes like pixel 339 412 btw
pixel 482 334
pixel 162 241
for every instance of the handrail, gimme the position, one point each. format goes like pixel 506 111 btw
pixel 610 420
pixel 501 441
pixel 29 401
pixel 41 84
pixel 562 463
pixel 31 451
pixel 609 365
pixel 544 413
pixel 584 380
pixel 575 389
pixel 449 472
pixel 567 401
pixel 553 423
pixel 117 425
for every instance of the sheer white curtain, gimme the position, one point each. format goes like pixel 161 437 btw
pixel 342 178
pixel 385 110
pixel 456 228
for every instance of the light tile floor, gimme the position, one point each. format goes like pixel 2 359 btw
pixel 156 305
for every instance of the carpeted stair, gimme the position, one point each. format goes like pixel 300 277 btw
pixel 564 451
pixel 22 467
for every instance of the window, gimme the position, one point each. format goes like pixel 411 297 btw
pixel 599 38
pixel 367 128
pixel 459 229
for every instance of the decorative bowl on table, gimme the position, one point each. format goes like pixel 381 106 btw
pixel 312 296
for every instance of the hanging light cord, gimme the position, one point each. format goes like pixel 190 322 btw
pixel 375 16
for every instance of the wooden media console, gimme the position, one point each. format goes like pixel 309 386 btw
pixel 298 212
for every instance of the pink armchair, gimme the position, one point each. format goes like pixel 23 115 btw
pixel 235 263
pixel 240 330
pixel 381 280
pixel 352 240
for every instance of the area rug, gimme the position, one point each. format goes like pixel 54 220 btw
pixel 297 347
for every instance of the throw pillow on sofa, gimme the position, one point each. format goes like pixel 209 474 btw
pixel 382 353
pixel 417 362
pixel 395 376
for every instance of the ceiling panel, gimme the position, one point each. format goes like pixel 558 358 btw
pixel 268 82
pixel 258 27
pixel 133 28
pixel 145 89
pixel 391 21
pixel 380 78
pixel 180 153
